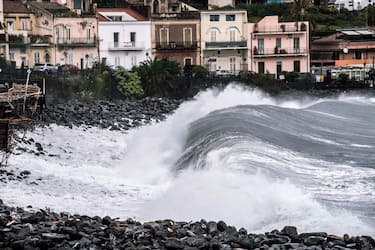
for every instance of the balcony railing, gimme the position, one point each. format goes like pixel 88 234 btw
pixel 3 38
pixel 126 46
pixel 77 42
pixel 301 27
pixel 176 45
pixel 40 40
pixel 226 44
pixel 18 40
pixel 278 52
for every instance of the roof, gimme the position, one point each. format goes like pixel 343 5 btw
pixel 15 7
pixel 130 12
pixel 49 6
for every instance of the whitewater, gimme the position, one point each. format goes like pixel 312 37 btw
pixel 237 155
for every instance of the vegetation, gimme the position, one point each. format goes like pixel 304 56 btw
pixel 158 76
pixel 322 19
pixel 200 71
pixel 129 83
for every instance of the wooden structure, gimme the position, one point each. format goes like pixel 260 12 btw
pixel 17 104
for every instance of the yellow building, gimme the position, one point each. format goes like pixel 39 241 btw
pixel 4 48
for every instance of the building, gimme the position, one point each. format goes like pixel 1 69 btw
pixel 224 40
pixel 176 35
pixel 17 21
pixel 351 4
pixel 75 36
pixel 80 7
pixel 125 37
pixel 4 48
pixel 212 4
pixel 278 46
pixel 350 47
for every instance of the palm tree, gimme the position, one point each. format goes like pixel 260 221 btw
pixel 299 9
pixel 157 76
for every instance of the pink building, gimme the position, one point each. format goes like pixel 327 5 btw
pixel 278 46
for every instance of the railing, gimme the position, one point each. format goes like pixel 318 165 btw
pixel 78 41
pixel 126 45
pixel 281 28
pixel 36 39
pixel 3 38
pixel 278 51
pixel 177 45
pixel 226 44
pixel 180 15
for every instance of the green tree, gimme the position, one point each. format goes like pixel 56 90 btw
pixel 300 9
pixel 158 76
pixel 129 83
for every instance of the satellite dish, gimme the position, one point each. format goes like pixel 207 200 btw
pixel 345 50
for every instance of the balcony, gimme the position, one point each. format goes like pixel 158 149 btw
pixel 279 52
pixel 3 38
pixel 280 29
pixel 76 42
pixel 177 45
pixel 40 41
pixel 227 45
pixel 17 41
pixel 126 46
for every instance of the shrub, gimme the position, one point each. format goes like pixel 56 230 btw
pixel 200 71
pixel 129 83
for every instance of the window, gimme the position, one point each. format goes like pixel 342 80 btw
pixel 296 44
pixel 188 61
pixel 115 18
pixel 134 60
pixel 164 37
pixel 70 58
pixel 260 46
pixel 117 61
pixel 358 54
pixel 47 57
pixel 232 35
pixel 77 4
pixel 89 35
pixel 261 67
pixel 278 42
pixel 232 64
pixel 296 66
pixel 10 27
pixel 23 61
pixel 132 37
pixel 104 60
pixel 36 57
pixel 214 18
pixel 25 24
pixel 60 34
pixel 213 35
pixel 188 39
pixel 115 39
pixel 278 68
pixel 230 18
pixel 68 34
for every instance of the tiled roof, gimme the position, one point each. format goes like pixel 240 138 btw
pixel 15 7
pixel 130 12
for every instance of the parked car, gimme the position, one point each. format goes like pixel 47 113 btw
pixel 224 73
pixel 46 68
pixel 69 68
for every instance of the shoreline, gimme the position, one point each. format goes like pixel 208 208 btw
pixel 45 229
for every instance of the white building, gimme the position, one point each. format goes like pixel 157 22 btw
pixel 224 40
pixel 4 49
pixel 220 3
pixel 125 37
pixel 351 4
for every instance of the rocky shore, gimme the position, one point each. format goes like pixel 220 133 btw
pixel 45 229
pixel 116 115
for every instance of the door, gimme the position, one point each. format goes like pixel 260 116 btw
pixel 278 68
pixel 132 38
pixel 115 39
pixel 232 65
pixel 296 45
pixel 260 46
pixel 261 67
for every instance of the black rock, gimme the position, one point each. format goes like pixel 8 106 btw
pixel 107 220
pixel 313 240
pixel 221 226
pixel 173 243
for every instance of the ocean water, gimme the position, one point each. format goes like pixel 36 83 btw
pixel 236 155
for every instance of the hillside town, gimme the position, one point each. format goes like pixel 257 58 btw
pixel 79 34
